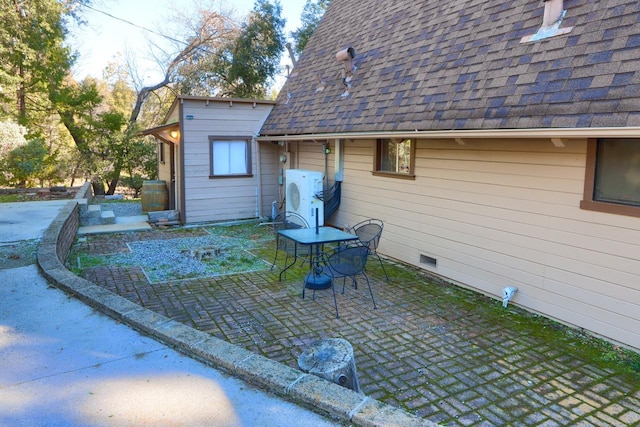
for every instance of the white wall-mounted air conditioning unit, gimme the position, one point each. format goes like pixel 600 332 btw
pixel 303 189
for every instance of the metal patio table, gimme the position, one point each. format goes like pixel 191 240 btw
pixel 316 236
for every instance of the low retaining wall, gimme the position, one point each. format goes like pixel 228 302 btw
pixel 304 389
pixel 85 191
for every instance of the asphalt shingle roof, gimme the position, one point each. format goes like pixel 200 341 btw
pixel 460 64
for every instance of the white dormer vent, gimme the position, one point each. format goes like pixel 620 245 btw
pixel 553 15
pixel 553 12
pixel 346 56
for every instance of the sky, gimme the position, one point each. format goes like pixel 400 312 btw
pixel 104 37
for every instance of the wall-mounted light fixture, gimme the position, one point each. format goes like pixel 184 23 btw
pixel 174 134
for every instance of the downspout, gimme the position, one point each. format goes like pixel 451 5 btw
pixel 326 163
pixel 182 203
pixel 339 160
pixel 258 179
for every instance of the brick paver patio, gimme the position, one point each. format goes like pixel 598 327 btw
pixel 445 353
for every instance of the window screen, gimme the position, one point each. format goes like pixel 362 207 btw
pixel 230 157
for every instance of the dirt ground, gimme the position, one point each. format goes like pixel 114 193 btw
pixel 32 194
pixel 19 254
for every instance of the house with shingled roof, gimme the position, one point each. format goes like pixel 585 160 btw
pixel 498 141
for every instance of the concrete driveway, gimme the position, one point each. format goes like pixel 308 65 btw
pixel 27 220
pixel 65 364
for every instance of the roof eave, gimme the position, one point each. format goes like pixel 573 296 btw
pixel 540 133
pixel 163 133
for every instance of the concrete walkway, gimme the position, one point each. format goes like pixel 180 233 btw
pixel 65 364
pixel 27 220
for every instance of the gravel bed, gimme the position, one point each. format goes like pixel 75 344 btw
pixel 190 257
pixel 123 209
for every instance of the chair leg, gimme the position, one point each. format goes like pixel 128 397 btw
pixel 275 258
pixel 370 291
pixel 287 266
pixel 382 265
pixel 335 302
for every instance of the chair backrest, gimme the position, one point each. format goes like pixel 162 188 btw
pixel 287 220
pixel 348 260
pixel 294 220
pixel 369 232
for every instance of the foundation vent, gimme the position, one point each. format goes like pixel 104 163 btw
pixel 428 261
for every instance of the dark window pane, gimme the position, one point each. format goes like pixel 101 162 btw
pixel 618 171
pixel 395 156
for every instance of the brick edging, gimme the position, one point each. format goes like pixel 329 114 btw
pixel 294 385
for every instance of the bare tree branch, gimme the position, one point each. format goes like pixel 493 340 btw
pixel 207 32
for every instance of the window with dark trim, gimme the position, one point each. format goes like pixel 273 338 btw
pixel 395 157
pixel 612 178
pixel 229 157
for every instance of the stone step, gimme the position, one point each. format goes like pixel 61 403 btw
pixel 82 204
pixel 93 211
pixel 108 217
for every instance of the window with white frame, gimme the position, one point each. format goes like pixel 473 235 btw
pixel 230 157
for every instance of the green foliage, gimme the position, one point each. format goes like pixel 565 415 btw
pixel 311 15
pixel 11 198
pixel 36 61
pixel 29 164
pixel 96 118
pixel 84 262
pixel 239 62
pixel 256 53
pixel 11 137
pixel 35 57
pixel 77 105
pixel 134 182
pixel 138 158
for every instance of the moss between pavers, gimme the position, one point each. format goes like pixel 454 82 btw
pixel 600 352
pixel 436 291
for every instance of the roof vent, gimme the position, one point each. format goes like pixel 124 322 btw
pixel 348 69
pixel 553 12
pixel 553 15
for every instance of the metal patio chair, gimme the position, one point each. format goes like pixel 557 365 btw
pixel 343 262
pixel 369 232
pixel 288 220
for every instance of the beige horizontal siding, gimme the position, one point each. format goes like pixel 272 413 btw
pixel 313 158
pixel 503 213
pixel 269 169
pixel 215 199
